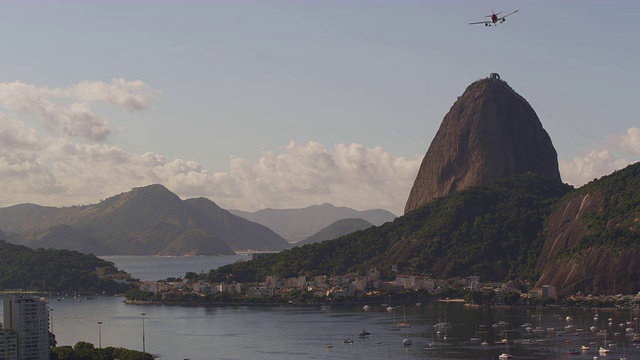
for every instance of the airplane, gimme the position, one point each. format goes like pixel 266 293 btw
pixel 495 20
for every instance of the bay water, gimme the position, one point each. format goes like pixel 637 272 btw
pixel 310 332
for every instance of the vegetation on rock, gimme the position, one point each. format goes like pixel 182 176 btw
pixel 492 231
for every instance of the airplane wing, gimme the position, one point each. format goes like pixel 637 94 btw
pixel 480 22
pixel 508 14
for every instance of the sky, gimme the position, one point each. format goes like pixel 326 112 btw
pixel 287 104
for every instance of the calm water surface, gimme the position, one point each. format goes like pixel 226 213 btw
pixel 282 333
pixel 240 332
pixel 153 268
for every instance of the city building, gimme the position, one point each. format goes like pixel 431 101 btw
pixel 8 344
pixel 28 318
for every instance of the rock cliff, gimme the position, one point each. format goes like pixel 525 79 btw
pixel 490 132
pixel 592 238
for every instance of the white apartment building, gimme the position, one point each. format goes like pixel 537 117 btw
pixel 28 317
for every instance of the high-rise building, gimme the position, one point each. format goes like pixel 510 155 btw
pixel 8 344
pixel 28 317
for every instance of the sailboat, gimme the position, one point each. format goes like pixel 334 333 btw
pixel 505 355
pixel 442 326
pixel 404 323
pixel 603 350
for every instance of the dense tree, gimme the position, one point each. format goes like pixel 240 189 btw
pixel 53 270
pixel 493 231
pixel 87 351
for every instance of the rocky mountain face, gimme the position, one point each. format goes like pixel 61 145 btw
pixel 149 220
pixel 490 132
pixel 298 224
pixel 596 270
pixel 592 238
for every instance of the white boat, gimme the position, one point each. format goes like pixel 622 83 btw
pixel 505 355
pixel 442 326
pixel 389 307
pixel 603 351
pixel 406 342
pixel 366 308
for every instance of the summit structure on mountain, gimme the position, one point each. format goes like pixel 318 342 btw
pixel 490 132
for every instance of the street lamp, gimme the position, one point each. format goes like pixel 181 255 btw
pixel 143 348
pixel 99 334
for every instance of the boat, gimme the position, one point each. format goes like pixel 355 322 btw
pixel 364 333
pixel 430 347
pixel 348 341
pixel 403 324
pixel 389 307
pixel 442 326
pixel 573 351
pixel 394 327
pixel 366 308
pixel 505 355
pixel 328 346
pixel 584 347
pixel 603 351
pixel 406 342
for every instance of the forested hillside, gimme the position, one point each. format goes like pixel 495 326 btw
pixel 492 231
pixel 53 270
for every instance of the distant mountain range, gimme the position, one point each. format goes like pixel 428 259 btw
pixel 337 229
pixel 298 224
pixel 149 220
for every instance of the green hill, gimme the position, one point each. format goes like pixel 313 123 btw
pixel 53 270
pixel 492 231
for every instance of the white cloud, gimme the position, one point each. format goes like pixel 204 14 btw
pixel 630 141
pixel 589 167
pixel 58 168
pixel 132 95
pixel 597 163
pixel 60 172
pixel 68 111
pixel 298 176
pixel 350 175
